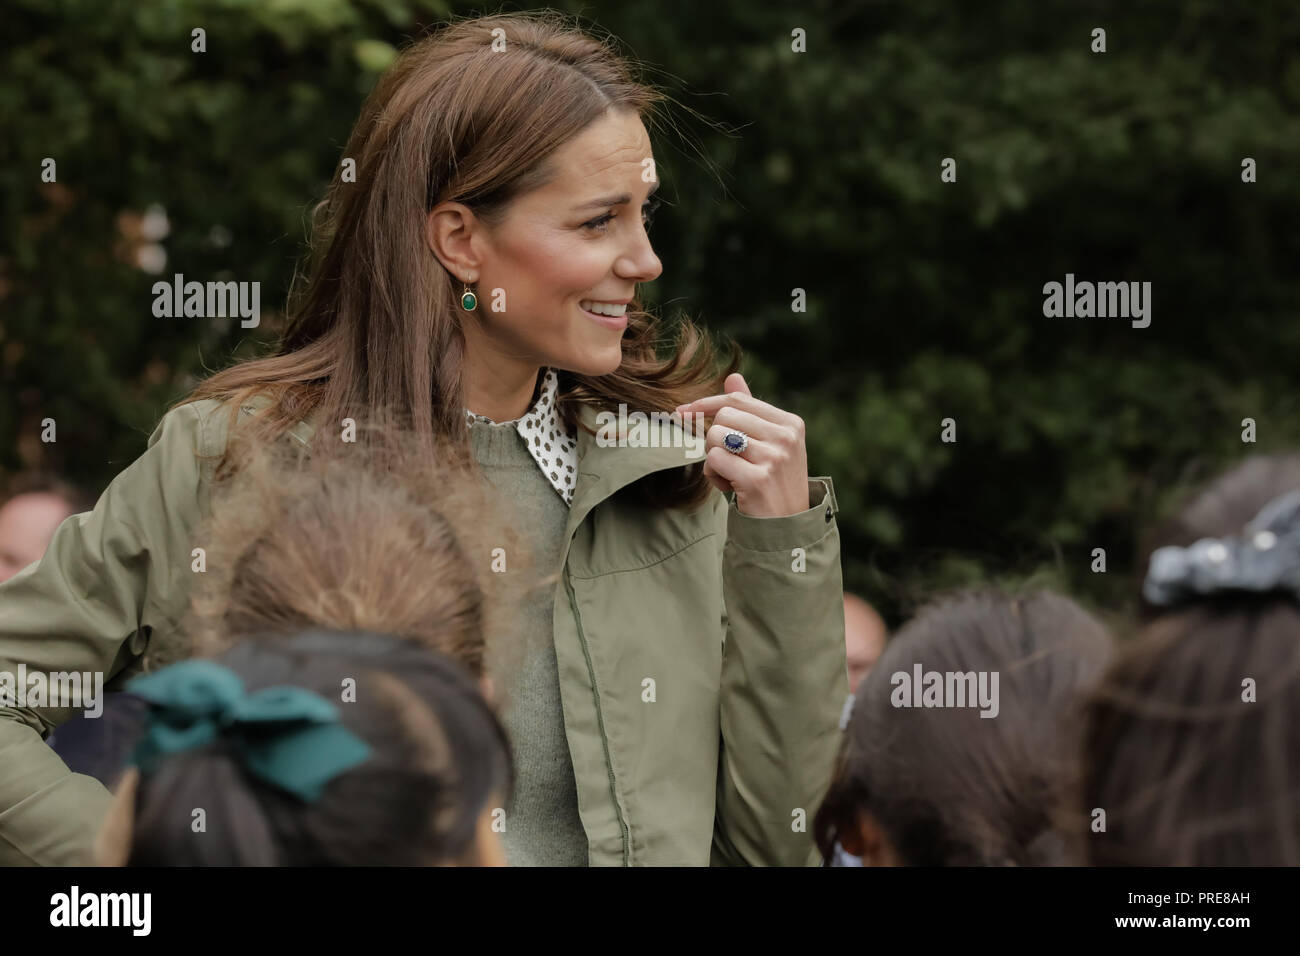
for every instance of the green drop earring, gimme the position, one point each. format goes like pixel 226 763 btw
pixel 468 300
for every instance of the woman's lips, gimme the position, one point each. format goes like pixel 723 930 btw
pixel 617 323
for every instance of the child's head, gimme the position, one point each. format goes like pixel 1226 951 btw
pixel 377 533
pixel 924 785
pixel 403 762
pixel 1192 743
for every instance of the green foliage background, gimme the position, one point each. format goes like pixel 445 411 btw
pixel 924 298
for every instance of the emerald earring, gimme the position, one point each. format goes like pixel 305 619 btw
pixel 468 300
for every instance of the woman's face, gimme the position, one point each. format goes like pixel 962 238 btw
pixel 578 240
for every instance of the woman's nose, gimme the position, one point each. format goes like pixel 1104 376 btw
pixel 640 264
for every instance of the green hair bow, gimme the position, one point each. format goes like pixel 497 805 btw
pixel 288 736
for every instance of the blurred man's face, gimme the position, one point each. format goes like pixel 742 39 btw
pixel 27 523
pixel 864 638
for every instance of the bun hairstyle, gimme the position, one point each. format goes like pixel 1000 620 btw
pixel 373 534
pixel 438 755
pixel 1192 742
pixel 947 786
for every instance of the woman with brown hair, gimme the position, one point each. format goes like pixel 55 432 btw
pixel 1192 744
pixel 479 278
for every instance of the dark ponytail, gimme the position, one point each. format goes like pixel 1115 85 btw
pixel 439 756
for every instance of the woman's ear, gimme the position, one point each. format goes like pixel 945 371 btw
pixel 448 231
pixel 113 843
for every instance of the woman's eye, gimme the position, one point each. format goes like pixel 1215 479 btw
pixel 647 216
pixel 648 211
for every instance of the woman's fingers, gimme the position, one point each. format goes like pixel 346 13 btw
pixel 713 404
pixel 770 477
pixel 716 480
pixel 731 418
pixel 756 450
pixel 742 475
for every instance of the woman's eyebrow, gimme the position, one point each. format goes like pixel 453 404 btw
pixel 615 200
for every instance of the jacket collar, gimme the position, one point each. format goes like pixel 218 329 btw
pixel 603 467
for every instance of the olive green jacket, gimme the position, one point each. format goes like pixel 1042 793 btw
pixel 701 653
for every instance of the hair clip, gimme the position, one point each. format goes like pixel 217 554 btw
pixel 1265 557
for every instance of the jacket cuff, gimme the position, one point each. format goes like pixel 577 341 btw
pixel 791 531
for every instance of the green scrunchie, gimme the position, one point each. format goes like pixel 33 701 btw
pixel 288 736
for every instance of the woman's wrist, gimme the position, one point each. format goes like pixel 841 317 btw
pixel 781 533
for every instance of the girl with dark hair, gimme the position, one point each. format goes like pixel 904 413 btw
pixel 1192 742
pixel 480 277
pixel 323 748
pixel 938 781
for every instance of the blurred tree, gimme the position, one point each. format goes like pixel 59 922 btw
pixel 232 146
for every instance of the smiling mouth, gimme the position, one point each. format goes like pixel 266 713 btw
pixel 617 321
pixel 612 310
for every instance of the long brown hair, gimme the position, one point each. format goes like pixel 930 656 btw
pixel 1189 771
pixel 377 324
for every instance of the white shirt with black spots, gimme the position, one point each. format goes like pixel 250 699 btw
pixel 552 445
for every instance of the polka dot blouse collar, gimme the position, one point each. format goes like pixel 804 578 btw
pixel 552 446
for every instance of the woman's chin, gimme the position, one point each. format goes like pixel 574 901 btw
pixel 595 363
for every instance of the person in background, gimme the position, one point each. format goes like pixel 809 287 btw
pixel 35 506
pixel 919 784
pixel 864 638
pixel 1192 741
pixel 410 769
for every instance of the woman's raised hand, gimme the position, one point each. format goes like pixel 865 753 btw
pixel 770 476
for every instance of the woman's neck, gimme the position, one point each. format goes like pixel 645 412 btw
pixel 500 389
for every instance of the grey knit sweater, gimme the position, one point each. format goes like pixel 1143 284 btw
pixel 542 827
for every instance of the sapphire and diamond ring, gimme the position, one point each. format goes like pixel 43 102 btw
pixel 735 442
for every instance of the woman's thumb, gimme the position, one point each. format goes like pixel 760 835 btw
pixel 736 383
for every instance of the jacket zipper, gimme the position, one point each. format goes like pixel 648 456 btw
pixel 600 720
